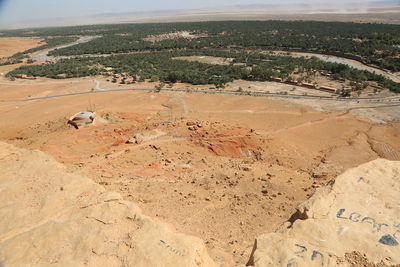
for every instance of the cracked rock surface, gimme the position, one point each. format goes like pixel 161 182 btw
pixel 355 220
pixel 51 217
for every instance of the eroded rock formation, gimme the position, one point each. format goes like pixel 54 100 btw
pixel 49 216
pixel 358 214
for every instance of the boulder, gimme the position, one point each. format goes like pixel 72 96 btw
pixel 355 217
pixel 51 217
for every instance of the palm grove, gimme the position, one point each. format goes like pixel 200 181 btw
pixel 244 42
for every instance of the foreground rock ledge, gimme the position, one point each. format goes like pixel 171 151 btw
pixel 357 214
pixel 51 217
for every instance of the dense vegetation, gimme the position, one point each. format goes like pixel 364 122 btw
pixel 52 42
pixel 372 43
pixel 243 41
pixel 162 66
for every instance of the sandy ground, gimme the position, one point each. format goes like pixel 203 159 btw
pixel 274 87
pixel 223 168
pixel 10 46
pixel 388 15
pixel 207 59
pixel 237 172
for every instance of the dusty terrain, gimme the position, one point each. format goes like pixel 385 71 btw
pixel 358 14
pixel 220 167
pixel 12 45
pixel 207 59
pixel 66 219
pixel 170 36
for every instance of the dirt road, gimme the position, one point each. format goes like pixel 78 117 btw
pixel 43 55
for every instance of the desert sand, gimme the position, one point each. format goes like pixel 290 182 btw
pixel 12 45
pixel 222 168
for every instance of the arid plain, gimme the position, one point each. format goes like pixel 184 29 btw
pixel 225 168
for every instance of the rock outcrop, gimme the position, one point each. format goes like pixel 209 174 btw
pixel 51 217
pixel 356 217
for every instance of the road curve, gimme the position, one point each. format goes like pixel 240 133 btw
pixel 43 55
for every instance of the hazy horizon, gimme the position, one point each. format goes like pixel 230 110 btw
pixel 24 11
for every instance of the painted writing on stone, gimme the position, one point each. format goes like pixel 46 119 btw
pixel 305 253
pixel 390 231
pixel 173 250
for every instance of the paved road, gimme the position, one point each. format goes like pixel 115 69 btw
pixel 255 94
